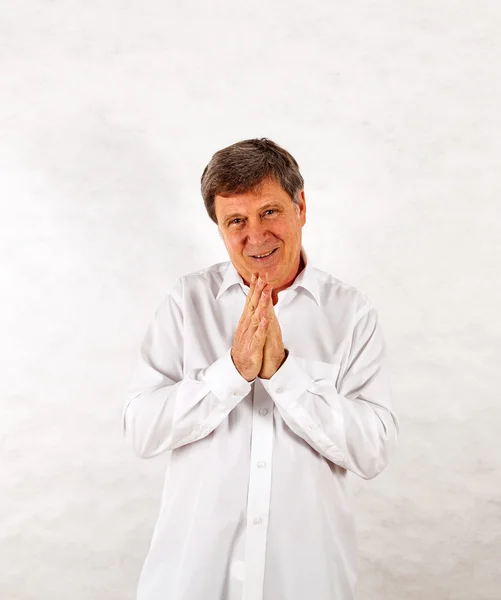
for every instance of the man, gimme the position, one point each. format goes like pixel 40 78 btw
pixel 264 393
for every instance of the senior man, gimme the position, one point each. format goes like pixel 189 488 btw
pixel 265 381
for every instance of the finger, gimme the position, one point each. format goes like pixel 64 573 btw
pixel 252 285
pixel 266 280
pixel 267 306
pixel 261 309
pixel 249 300
pixel 253 282
pixel 261 332
pixel 269 303
pixel 255 296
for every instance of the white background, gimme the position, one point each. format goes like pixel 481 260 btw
pixel 110 110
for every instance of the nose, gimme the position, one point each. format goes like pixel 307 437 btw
pixel 257 236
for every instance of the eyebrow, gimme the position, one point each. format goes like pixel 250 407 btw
pixel 266 206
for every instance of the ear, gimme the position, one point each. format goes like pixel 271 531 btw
pixel 301 207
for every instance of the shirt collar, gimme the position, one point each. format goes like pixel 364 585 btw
pixel 306 279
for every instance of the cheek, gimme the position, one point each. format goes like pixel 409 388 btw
pixel 279 230
pixel 237 246
pixel 234 241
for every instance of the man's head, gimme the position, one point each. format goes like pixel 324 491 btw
pixel 253 191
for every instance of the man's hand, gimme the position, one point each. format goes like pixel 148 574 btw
pixel 250 336
pixel 274 354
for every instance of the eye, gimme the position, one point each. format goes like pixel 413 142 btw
pixel 236 221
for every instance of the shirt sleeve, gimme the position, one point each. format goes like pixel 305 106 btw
pixel 355 428
pixel 166 409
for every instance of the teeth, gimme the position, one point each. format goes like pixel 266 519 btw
pixel 263 255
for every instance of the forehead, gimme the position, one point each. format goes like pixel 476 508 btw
pixel 268 192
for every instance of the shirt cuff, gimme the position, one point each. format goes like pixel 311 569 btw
pixel 290 382
pixel 285 388
pixel 225 381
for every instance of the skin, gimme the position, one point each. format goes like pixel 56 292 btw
pixel 255 228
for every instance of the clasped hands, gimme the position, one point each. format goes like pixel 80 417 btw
pixel 258 348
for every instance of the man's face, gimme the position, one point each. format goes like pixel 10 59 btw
pixel 255 223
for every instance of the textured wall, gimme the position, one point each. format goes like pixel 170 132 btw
pixel 109 112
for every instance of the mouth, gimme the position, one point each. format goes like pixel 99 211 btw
pixel 266 258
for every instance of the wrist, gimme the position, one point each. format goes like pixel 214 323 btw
pixel 286 354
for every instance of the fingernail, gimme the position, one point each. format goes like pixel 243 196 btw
pixel 253 278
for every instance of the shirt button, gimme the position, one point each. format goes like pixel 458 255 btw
pixel 261 464
pixel 237 569
pixel 258 521
pixel 279 390
pixel 263 411
pixel 313 426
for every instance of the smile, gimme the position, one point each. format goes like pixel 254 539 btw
pixel 265 257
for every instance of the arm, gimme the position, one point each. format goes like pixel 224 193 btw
pixel 166 410
pixel 355 428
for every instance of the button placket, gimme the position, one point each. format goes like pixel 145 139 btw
pixel 259 494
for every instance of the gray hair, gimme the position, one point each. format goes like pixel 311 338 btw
pixel 242 167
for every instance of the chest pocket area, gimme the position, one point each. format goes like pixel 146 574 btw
pixel 324 374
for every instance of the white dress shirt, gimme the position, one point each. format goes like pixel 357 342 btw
pixel 255 505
